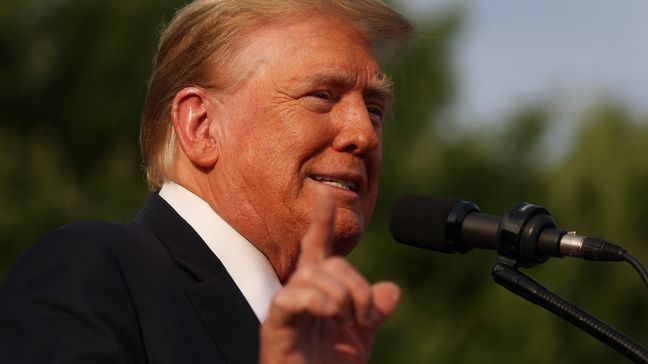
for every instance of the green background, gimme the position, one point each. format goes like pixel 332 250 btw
pixel 73 78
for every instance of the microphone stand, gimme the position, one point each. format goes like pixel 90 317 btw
pixel 505 273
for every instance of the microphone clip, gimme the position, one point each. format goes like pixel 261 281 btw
pixel 528 234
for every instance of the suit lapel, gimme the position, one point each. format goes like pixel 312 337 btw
pixel 235 330
pixel 218 301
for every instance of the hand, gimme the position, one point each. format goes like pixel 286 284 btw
pixel 327 312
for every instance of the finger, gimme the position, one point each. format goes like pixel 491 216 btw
pixel 316 243
pixel 292 303
pixel 316 277
pixel 385 299
pixel 356 286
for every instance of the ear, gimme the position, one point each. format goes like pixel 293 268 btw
pixel 194 117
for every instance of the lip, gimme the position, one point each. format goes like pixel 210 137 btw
pixel 348 182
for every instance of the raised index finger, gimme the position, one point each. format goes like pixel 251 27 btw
pixel 316 243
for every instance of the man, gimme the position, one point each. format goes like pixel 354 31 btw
pixel 261 135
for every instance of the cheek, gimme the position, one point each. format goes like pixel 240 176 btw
pixel 373 163
pixel 280 157
pixel 293 139
pixel 373 173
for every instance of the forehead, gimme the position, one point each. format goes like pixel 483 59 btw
pixel 311 47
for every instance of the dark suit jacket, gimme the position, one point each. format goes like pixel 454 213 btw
pixel 150 291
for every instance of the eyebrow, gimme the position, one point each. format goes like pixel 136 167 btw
pixel 379 87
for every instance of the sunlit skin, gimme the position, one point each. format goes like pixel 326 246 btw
pixel 308 104
pixel 289 155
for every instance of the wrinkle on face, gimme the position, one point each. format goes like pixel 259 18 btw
pixel 278 129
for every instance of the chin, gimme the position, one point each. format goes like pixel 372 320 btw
pixel 346 240
pixel 344 247
pixel 347 235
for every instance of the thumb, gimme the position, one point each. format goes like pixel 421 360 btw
pixel 385 298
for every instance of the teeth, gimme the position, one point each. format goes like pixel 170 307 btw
pixel 337 184
pixel 349 186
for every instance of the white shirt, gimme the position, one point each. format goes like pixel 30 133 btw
pixel 248 267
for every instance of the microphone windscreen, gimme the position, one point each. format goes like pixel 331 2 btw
pixel 420 221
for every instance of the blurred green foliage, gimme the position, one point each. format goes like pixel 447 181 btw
pixel 73 81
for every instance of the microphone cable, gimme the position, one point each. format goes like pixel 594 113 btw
pixel 634 262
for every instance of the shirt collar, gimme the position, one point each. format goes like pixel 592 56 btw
pixel 248 267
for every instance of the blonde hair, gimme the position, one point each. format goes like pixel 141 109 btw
pixel 197 46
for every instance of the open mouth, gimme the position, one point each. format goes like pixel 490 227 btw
pixel 342 184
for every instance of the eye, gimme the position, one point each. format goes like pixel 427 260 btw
pixel 376 114
pixel 319 101
pixel 373 110
pixel 324 95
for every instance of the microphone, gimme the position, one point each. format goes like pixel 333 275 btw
pixel 527 233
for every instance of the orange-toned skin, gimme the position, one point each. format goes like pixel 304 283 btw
pixel 306 104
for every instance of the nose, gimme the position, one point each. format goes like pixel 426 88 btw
pixel 356 134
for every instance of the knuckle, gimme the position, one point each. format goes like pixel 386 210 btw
pixel 282 298
pixel 363 294
pixel 339 294
pixel 280 302
pixel 295 300
pixel 337 264
pixel 304 274
pixel 311 298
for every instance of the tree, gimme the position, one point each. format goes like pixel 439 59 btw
pixel 74 76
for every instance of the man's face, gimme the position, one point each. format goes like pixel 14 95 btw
pixel 304 115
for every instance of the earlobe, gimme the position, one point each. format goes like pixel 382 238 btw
pixel 193 115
